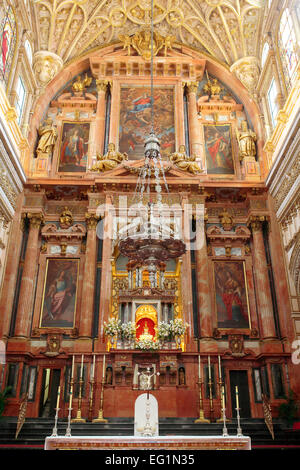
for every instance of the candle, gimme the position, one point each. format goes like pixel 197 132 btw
pixel 81 369
pixel 209 371
pixel 72 372
pixel 199 367
pixel 103 374
pixel 93 367
pixel 220 372
pixel 223 398
pixel 71 398
pixel 237 397
pixel 58 395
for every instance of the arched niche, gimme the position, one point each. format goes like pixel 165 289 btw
pixel 80 65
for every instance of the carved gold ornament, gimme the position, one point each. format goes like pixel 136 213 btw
pixel 141 42
pixel 110 160
pixel 227 30
pixel 81 84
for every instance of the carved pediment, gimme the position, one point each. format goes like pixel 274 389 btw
pixel 51 232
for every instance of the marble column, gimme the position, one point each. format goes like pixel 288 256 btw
pixel 11 270
pixel 88 284
pixel 27 288
pixel 100 116
pixel 263 290
pixel 203 288
pixel 186 270
pixel 194 127
pixel 106 277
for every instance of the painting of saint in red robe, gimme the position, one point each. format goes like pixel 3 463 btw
pixel 231 294
pixel 218 149
pixel 74 147
pixel 59 297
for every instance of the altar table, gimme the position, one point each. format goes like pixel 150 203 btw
pixel 148 443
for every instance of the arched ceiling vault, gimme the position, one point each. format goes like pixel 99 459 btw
pixel 227 30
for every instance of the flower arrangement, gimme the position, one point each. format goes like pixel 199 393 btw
pixel 112 327
pixel 127 331
pixel 163 332
pixel 177 327
pixel 146 344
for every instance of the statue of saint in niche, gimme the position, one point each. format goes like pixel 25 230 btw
pixel 47 138
pixel 246 140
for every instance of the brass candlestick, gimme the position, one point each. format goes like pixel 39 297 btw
pixel 100 418
pixel 92 382
pixel 201 418
pixel 221 419
pixel 211 405
pixel 78 418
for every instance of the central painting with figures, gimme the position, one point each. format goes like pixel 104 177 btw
pixel 135 119
pixel 231 294
pixel 218 149
pixel 60 293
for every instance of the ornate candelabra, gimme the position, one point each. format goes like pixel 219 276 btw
pixel 78 418
pixel 239 430
pixel 100 418
pixel 54 430
pixel 210 383
pixel 68 430
pixel 201 418
pixel 92 383
pixel 225 432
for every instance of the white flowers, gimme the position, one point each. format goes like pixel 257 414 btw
pixel 146 344
pixel 127 331
pixel 177 327
pixel 112 327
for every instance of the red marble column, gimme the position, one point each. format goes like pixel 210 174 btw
pixel 106 279
pixel 194 127
pixel 11 271
pixel 263 291
pixel 203 288
pixel 88 284
pixel 186 271
pixel 100 116
pixel 23 317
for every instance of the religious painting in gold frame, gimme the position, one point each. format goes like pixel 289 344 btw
pixel 231 295
pixel 73 152
pixel 60 293
pixel 218 149
pixel 135 118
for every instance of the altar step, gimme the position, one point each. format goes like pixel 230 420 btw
pixel 35 430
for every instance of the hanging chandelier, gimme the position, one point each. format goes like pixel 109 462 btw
pixel 156 239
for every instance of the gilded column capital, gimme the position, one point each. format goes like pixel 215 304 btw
pixel 35 219
pixel 255 222
pixel 191 86
pixel 91 221
pixel 102 84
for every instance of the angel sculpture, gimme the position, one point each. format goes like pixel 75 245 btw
pixel 183 162
pixel 110 160
pixel 79 85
